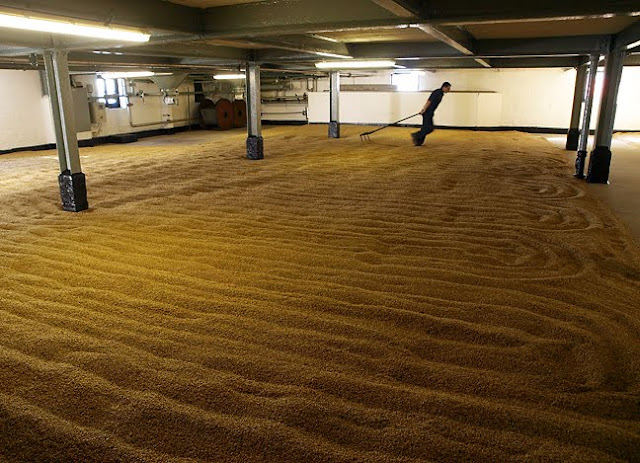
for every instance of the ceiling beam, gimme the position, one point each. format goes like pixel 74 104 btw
pixel 23 43
pixel 452 36
pixel 629 36
pixel 403 50
pixel 9 51
pixel 305 44
pixel 401 8
pixel 456 37
pixel 494 48
pixel 547 46
pixel 114 60
pixel 489 11
pixel 85 63
pixel 308 16
pixel 188 50
pixel 442 63
pixel 469 63
pixel 151 14
pixel 538 62
pixel 295 17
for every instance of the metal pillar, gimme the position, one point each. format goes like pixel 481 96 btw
pixel 73 190
pixel 334 111
pixel 574 127
pixel 255 142
pixel 586 115
pixel 600 159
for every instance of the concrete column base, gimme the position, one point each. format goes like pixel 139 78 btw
pixel 255 148
pixel 573 135
pixel 599 164
pixel 581 162
pixel 334 129
pixel 73 191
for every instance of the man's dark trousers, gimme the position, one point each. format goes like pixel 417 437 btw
pixel 427 128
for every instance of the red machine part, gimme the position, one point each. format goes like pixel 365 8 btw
pixel 239 113
pixel 224 108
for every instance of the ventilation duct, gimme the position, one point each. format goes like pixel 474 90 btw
pixel 169 83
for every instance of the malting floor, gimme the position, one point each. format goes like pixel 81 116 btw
pixel 337 301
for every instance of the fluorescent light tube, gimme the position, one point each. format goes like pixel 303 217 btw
pixel 229 76
pixel 331 55
pixel 633 45
pixel 69 28
pixel 126 75
pixel 355 64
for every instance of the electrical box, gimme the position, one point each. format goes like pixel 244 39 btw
pixel 98 112
pixel 82 114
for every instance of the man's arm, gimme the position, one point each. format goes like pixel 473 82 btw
pixel 426 106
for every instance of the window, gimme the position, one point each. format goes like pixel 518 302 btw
pixel 112 92
pixel 406 81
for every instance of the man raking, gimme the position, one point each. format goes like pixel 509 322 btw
pixel 427 114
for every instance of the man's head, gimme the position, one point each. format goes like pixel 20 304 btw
pixel 446 87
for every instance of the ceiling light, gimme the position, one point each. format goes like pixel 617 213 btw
pixel 229 76
pixel 407 71
pixel 355 64
pixel 331 55
pixel 126 75
pixel 633 45
pixel 323 37
pixel 69 28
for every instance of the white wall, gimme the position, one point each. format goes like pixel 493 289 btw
pixel 472 109
pixel 25 117
pixel 628 111
pixel 524 97
pixel 289 111
pixel 528 98
pixel 146 113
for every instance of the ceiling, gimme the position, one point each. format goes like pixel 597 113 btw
pixel 294 34
pixel 211 3
pixel 381 34
pixel 559 28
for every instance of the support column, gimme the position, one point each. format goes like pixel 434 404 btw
pixel 255 142
pixel 586 115
pixel 574 127
pixel 334 111
pixel 600 159
pixel 73 189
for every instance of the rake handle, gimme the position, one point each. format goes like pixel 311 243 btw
pixel 389 125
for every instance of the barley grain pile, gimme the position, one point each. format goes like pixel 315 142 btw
pixel 337 302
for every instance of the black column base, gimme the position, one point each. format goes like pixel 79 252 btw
pixel 599 164
pixel 573 135
pixel 255 148
pixel 334 129
pixel 73 191
pixel 580 164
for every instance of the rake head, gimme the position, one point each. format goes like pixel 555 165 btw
pixel 364 137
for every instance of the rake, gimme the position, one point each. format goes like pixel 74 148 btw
pixel 365 136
